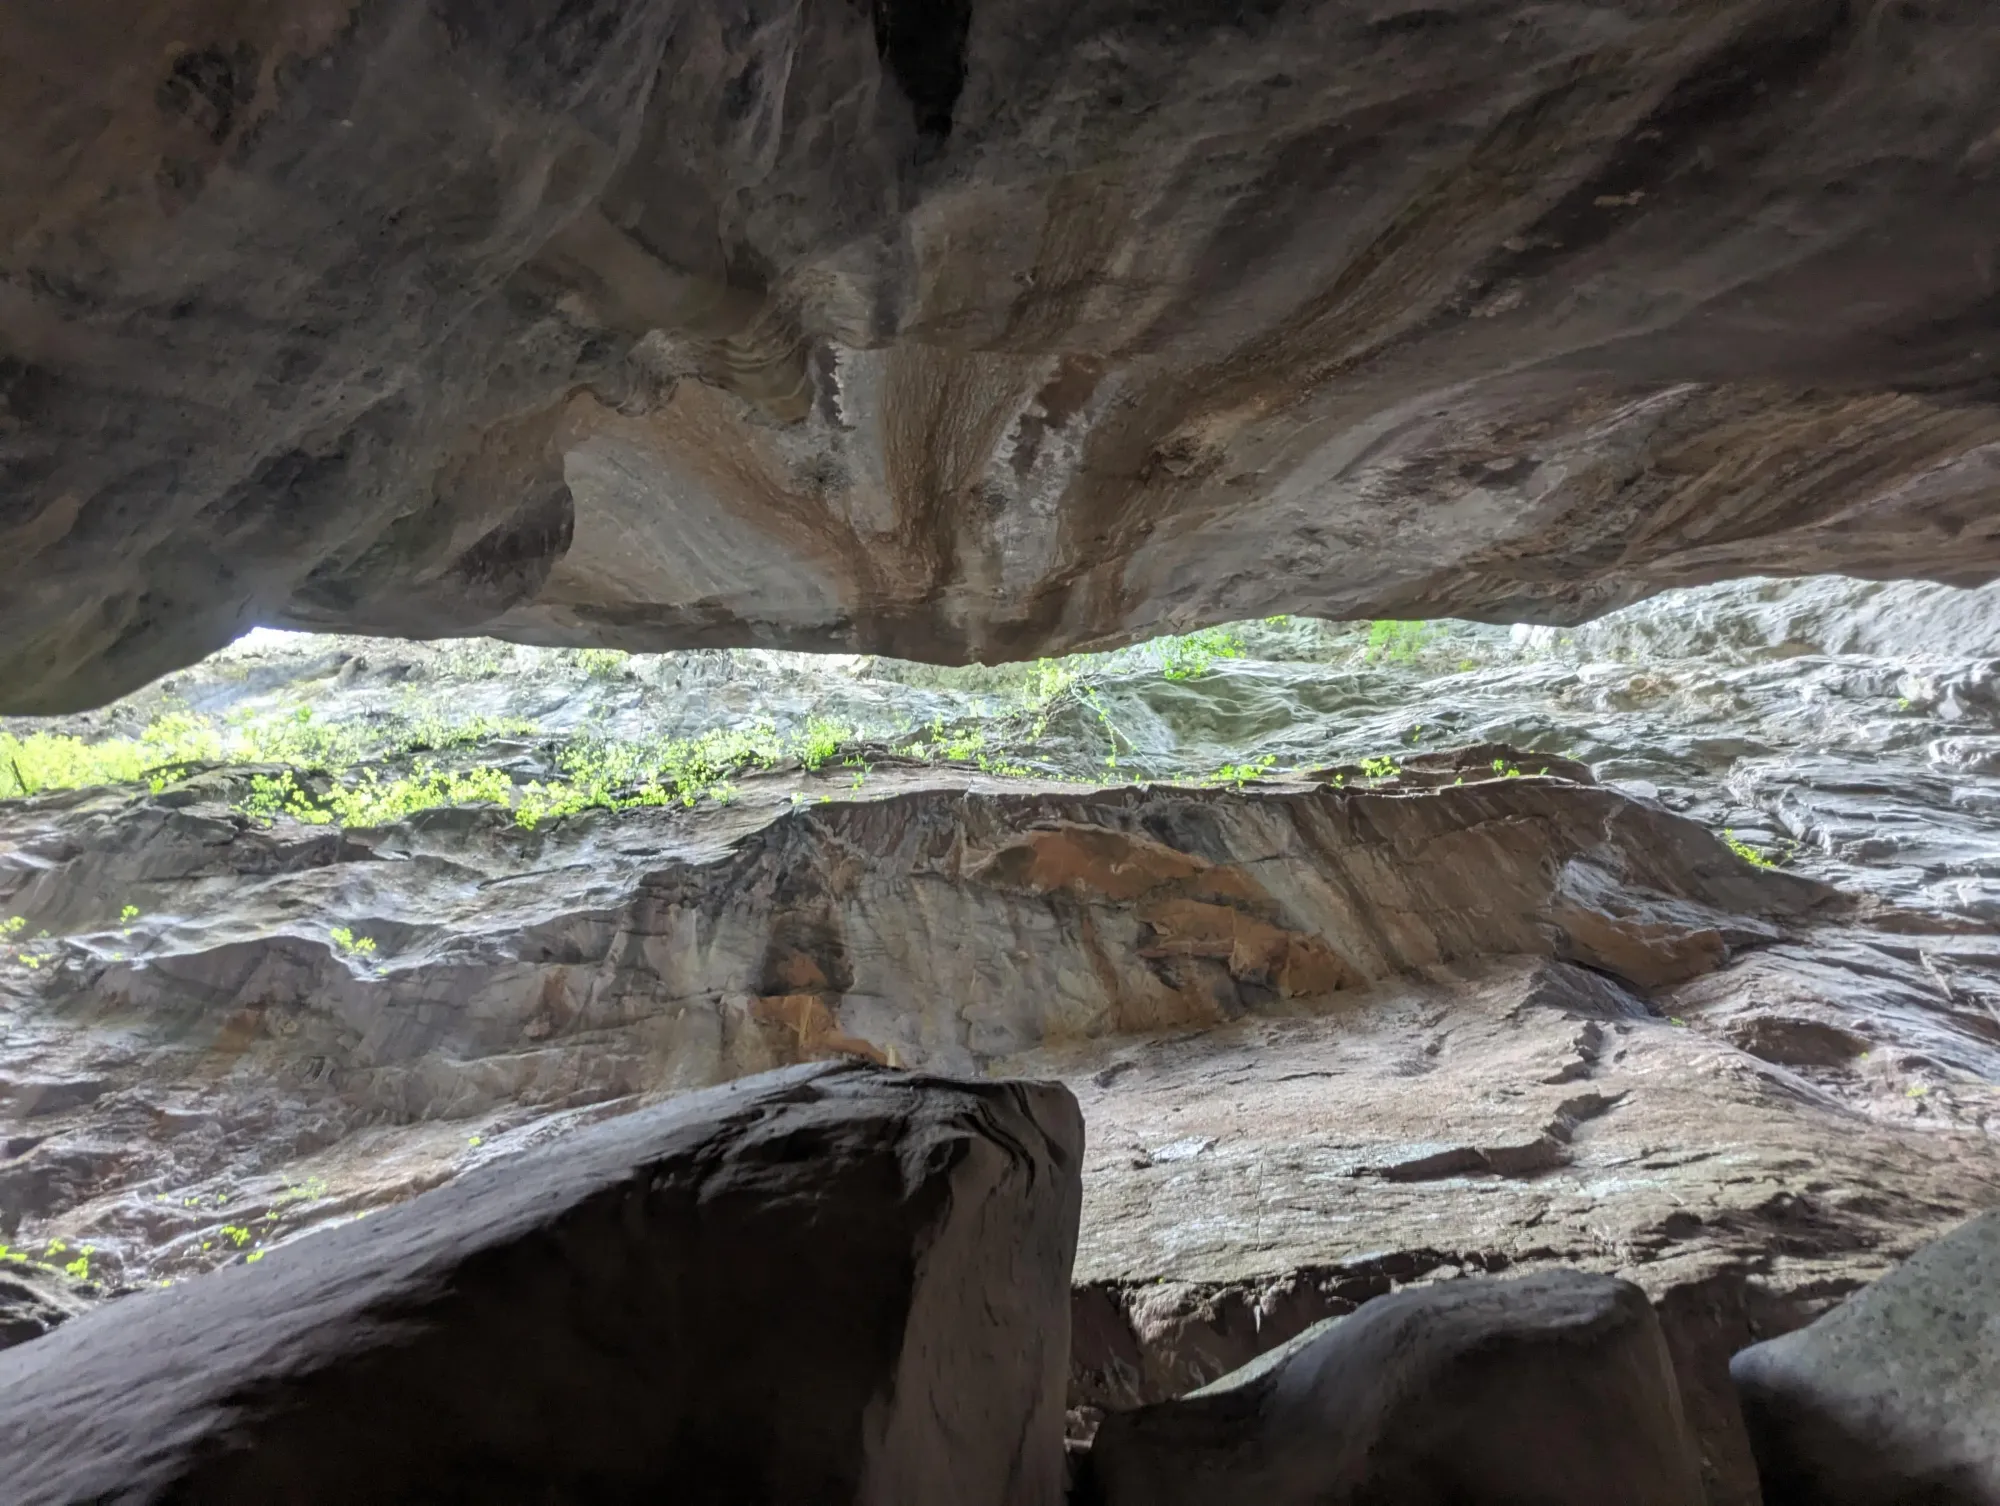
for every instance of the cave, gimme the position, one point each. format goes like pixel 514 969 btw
pixel 996 752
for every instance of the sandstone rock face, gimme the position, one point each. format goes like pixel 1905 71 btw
pixel 1553 1389
pixel 1894 1396
pixel 972 331
pixel 829 1284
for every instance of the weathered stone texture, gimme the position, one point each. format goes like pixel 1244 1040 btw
pixel 973 331
pixel 828 1284
pixel 1555 1389
pixel 1894 1396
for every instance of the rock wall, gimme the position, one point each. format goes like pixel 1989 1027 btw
pixel 973 331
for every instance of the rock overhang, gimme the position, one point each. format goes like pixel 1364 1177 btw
pixel 979 332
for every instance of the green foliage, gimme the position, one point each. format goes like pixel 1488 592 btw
pixel 1240 774
pixel 1505 769
pixel 77 1269
pixel 30 954
pixel 51 761
pixel 603 663
pixel 1395 642
pixel 820 741
pixel 310 1190
pixel 951 747
pixel 1746 852
pixel 1193 655
pixel 1381 768
pixel 351 945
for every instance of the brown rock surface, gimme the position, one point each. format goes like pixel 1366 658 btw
pixel 826 1284
pixel 973 331
pixel 1553 1389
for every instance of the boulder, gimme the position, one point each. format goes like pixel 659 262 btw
pixel 1554 1389
pixel 1894 1396
pixel 826 1284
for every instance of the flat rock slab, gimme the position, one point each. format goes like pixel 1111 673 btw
pixel 1554 1389
pixel 1894 1396
pixel 826 1284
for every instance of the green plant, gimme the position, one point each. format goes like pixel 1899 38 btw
pixel 1191 656
pixel 1505 769
pixel 1381 768
pixel 310 1190
pixel 1240 774
pixel 77 1269
pixel 820 741
pixel 1746 852
pixel 351 945
pixel 1396 642
pixel 603 663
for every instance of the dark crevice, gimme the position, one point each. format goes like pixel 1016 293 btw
pixel 922 43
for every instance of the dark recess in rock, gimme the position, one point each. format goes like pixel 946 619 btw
pixel 823 1284
pixel 923 44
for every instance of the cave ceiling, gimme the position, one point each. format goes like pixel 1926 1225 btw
pixel 974 329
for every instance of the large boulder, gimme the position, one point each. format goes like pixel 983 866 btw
pixel 1554 1389
pixel 828 1284
pixel 1894 1396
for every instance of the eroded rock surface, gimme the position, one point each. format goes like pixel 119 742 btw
pixel 947 922
pixel 972 331
pixel 1555 1389
pixel 827 1284
pixel 1337 1033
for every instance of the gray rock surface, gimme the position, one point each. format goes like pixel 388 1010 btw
pixel 1814 1103
pixel 948 921
pixel 828 1284
pixel 974 331
pixel 33 1301
pixel 1892 1397
pixel 1554 1389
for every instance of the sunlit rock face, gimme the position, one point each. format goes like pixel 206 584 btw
pixel 968 331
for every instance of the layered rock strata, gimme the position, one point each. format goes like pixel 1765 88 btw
pixel 945 923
